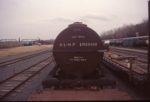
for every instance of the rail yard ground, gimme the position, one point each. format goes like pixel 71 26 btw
pixel 22 49
pixel 123 91
pixel 35 92
pixel 69 95
pixel 15 61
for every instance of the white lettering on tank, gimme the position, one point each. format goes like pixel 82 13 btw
pixel 81 44
pixel 72 44
pixel 92 44
pixel 78 37
pixel 78 59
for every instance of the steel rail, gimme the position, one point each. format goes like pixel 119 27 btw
pixel 141 56
pixel 44 63
pixel 12 61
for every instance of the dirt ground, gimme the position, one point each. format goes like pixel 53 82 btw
pixel 76 95
pixel 22 49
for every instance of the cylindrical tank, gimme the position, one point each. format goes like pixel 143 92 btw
pixel 78 50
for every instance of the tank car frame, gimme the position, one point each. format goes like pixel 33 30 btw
pixel 56 81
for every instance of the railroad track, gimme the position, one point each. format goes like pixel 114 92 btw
pixel 140 54
pixel 16 81
pixel 13 61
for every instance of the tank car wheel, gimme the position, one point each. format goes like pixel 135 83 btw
pixel 50 82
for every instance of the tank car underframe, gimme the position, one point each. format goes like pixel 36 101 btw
pixel 56 81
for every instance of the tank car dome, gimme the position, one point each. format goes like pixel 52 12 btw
pixel 77 24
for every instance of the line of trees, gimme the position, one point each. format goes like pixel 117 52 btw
pixel 140 29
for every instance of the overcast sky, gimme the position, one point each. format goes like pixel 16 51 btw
pixel 45 19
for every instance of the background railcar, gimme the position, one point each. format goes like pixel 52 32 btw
pixel 132 42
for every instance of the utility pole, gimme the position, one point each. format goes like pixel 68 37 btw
pixel 149 40
pixel 19 39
